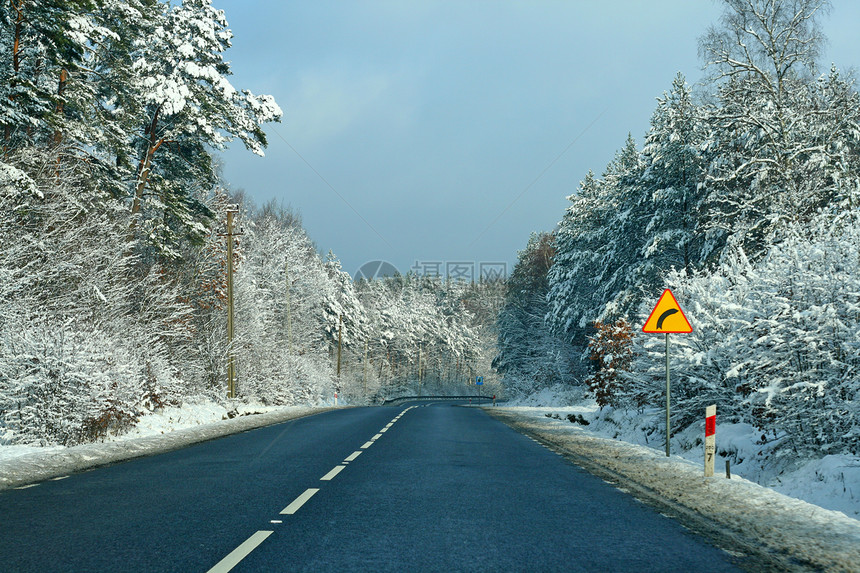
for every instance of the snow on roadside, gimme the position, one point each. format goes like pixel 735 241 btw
pixel 832 482
pixel 164 430
pixel 792 527
pixel 171 418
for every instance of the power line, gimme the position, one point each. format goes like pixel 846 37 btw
pixel 323 179
pixel 536 179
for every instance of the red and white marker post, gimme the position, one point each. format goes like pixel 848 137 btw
pixel 710 439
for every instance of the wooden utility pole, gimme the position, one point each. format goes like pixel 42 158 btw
pixel 339 341
pixel 289 312
pixel 231 364
pixel 365 369
pixel 419 368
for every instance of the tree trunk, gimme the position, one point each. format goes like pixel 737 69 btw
pixel 146 163
pixel 60 107
pixel 16 55
pixel 16 44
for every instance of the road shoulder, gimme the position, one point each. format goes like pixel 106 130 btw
pixel 58 462
pixel 773 531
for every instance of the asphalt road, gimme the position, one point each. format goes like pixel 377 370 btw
pixel 432 487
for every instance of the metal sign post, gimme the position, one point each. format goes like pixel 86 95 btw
pixel 667 317
pixel 668 396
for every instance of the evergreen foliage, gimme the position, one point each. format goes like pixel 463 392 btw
pixel 743 200
pixel 113 270
pixel 529 355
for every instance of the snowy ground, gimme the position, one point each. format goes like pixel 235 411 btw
pixel 831 482
pixel 161 431
pixel 776 517
pixel 618 441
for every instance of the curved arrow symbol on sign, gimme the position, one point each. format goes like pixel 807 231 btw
pixel 664 316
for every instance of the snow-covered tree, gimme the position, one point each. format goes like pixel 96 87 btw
pixel 282 347
pixel 422 335
pixel 83 347
pixel 595 274
pixel 767 144
pixel 674 168
pixel 42 45
pixel 530 355
pixel 80 82
pixel 577 265
pixel 774 341
pixel 187 104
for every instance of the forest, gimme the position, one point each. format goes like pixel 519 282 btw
pixel 113 270
pixel 743 199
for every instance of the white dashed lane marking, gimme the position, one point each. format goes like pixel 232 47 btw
pixel 336 470
pixel 299 501
pixel 235 556
pixel 240 552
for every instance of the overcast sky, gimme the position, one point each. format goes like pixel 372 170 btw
pixel 431 131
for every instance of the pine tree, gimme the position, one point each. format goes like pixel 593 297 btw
pixel 187 103
pixel 579 257
pixel 674 168
pixel 529 353
pixel 599 242
pixel 42 46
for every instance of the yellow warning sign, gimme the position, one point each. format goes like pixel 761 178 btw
pixel 667 317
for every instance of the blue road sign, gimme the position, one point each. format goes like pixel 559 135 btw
pixel 479 380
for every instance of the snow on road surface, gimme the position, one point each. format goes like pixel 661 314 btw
pixel 803 534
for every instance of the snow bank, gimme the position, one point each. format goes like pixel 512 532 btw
pixel 832 482
pixel 549 396
pixel 162 431
pixel 788 528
